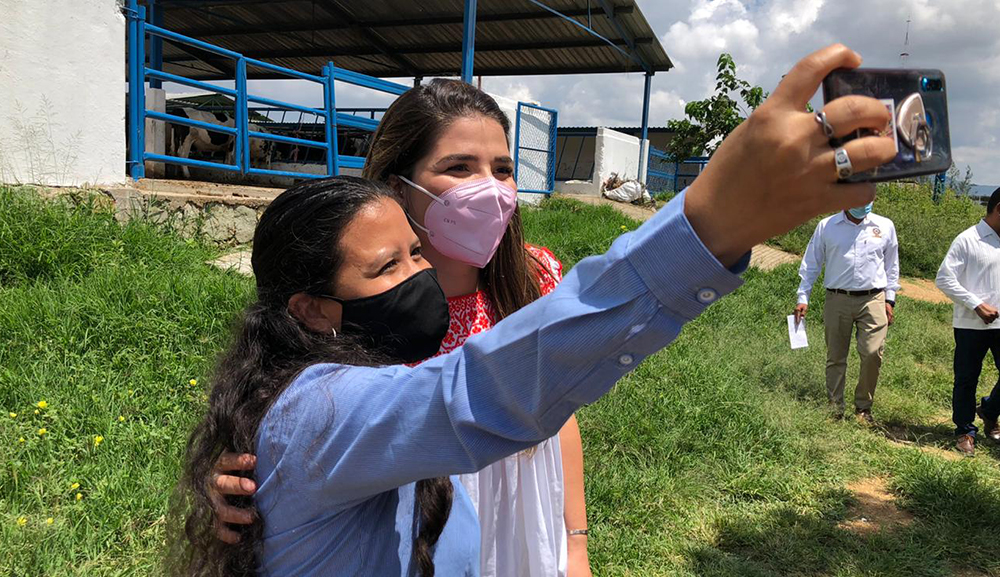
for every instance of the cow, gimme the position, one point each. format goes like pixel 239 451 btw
pixel 186 139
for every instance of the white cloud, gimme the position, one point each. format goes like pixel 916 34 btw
pixel 793 16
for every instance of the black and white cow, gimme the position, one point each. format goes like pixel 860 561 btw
pixel 187 139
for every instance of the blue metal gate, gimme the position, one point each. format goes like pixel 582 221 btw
pixel 139 72
pixel 664 174
pixel 535 148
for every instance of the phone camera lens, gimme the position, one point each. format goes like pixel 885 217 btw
pixel 930 84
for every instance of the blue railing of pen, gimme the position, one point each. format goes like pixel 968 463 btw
pixel 139 72
pixel 664 174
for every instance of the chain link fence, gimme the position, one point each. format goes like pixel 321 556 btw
pixel 535 148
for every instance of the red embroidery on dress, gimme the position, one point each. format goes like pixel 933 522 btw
pixel 474 313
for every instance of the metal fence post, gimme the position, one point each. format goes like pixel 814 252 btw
pixel 330 104
pixel 155 43
pixel 135 152
pixel 241 152
pixel 139 168
pixel 553 135
pixel 517 140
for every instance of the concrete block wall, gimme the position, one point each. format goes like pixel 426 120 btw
pixel 614 152
pixel 62 92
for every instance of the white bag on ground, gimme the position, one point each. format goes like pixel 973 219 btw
pixel 629 191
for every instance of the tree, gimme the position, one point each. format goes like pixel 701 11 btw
pixel 961 185
pixel 712 119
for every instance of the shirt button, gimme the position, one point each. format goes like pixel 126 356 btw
pixel 707 295
pixel 625 360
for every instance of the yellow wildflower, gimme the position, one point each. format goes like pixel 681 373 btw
pixel 193 382
pixel 131 391
pixel 13 415
pixel 42 431
pixel 42 404
pixel 624 227
pixel 21 440
pixel 98 440
pixel 121 418
pixel 75 486
pixel 50 521
pixel 79 496
pixel 22 521
pixel 37 411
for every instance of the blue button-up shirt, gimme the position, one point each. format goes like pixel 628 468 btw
pixel 340 450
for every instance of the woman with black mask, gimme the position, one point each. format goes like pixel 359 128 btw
pixel 344 440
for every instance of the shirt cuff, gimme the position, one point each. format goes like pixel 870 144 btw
pixel 676 266
pixel 973 301
pixel 803 299
pixel 890 295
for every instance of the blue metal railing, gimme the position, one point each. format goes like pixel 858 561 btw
pixel 549 150
pixel 664 174
pixel 139 72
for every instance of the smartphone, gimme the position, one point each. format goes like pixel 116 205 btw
pixel 917 100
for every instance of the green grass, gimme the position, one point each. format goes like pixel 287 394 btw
pixel 100 321
pixel 925 229
pixel 712 458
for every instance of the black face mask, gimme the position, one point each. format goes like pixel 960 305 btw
pixel 406 322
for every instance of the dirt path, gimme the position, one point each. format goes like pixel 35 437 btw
pixel 768 258
pixel 874 508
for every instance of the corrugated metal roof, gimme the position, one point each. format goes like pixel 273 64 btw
pixel 398 38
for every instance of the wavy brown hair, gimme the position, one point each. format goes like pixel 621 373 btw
pixel 407 133
pixel 296 249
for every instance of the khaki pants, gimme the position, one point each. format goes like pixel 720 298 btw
pixel 840 315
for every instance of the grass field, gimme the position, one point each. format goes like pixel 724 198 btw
pixel 714 457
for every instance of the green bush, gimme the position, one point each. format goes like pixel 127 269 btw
pixel 925 228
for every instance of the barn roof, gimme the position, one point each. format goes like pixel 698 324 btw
pixel 406 38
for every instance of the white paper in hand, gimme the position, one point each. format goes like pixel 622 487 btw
pixel 797 334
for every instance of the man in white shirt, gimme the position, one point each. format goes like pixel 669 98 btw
pixel 861 254
pixel 970 276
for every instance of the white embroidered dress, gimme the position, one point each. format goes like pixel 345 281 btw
pixel 520 499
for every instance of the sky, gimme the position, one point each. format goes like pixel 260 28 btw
pixel 766 38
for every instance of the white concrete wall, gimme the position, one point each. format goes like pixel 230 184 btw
pixel 614 152
pixel 509 107
pixel 62 103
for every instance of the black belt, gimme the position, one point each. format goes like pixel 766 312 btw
pixel 856 293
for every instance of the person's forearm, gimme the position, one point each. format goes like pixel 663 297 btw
pixel 954 290
pixel 571 447
pixel 575 501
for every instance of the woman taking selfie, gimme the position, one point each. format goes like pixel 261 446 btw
pixel 347 445
pixel 433 144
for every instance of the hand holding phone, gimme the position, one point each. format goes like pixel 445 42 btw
pixel 917 102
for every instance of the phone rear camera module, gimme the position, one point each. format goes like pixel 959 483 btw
pixel 931 84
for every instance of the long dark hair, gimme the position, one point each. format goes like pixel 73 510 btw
pixel 407 133
pixel 296 249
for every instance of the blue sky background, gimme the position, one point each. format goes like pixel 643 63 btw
pixel 766 37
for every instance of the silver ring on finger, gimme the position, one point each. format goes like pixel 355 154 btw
pixel 827 127
pixel 843 163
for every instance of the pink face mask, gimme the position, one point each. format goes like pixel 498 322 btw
pixel 467 221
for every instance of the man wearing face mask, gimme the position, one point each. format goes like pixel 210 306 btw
pixel 861 254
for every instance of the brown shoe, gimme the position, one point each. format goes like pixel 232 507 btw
pixel 865 415
pixel 966 445
pixel 989 425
